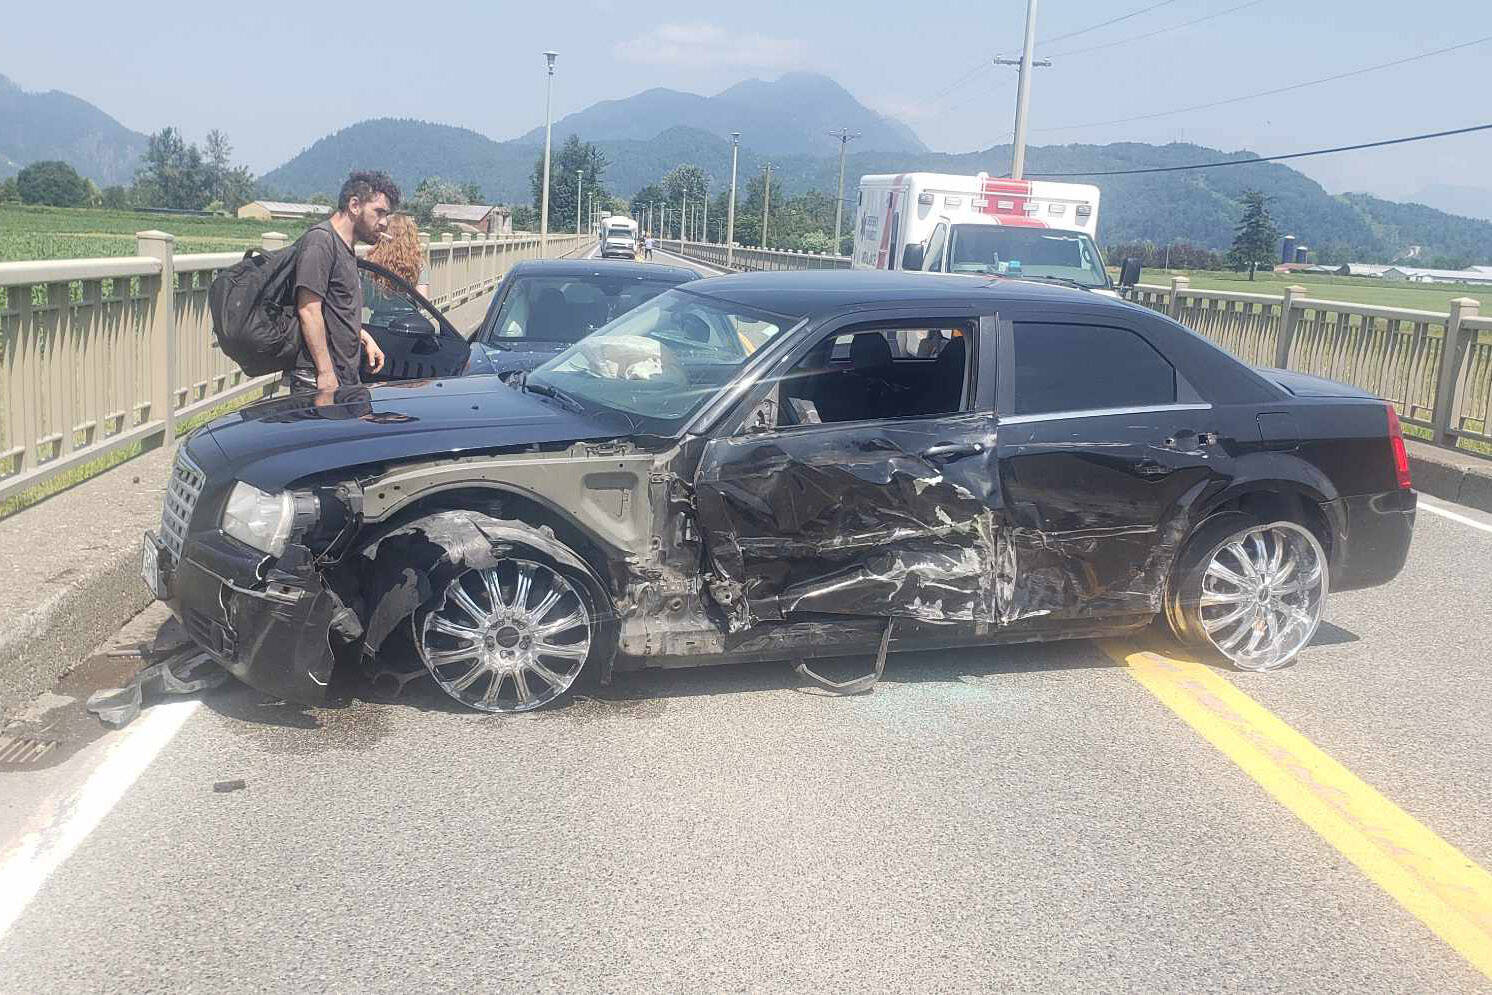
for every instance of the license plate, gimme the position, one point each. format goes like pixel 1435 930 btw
pixel 150 565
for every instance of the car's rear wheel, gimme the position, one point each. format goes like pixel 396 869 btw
pixel 1253 592
pixel 511 635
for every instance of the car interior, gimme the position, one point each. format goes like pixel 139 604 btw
pixel 878 373
pixel 566 310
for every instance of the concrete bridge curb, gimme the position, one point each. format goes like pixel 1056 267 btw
pixel 1451 476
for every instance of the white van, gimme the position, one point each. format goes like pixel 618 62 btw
pixel 618 237
pixel 979 225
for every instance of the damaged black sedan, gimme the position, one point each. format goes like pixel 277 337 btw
pixel 785 466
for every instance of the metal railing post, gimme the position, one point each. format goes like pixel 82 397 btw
pixel 162 246
pixel 1178 284
pixel 1453 353
pixel 1285 330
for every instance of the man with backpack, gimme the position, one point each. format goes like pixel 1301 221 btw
pixel 329 292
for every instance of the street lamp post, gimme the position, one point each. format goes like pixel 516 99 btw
pixel 579 186
pixel 766 204
pixel 683 217
pixel 704 225
pixel 549 58
pixel 730 209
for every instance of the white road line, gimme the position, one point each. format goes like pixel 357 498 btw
pixel 67 822
pixel 1453 516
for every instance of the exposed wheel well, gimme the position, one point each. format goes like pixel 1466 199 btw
pixel 1277 505
pixel 507 504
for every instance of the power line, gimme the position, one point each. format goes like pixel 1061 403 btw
pixel 1272 158
pixel 1271 92
pixel 1104 24
pixel 983 65
pixel 1152 34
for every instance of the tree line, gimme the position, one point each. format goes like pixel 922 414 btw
pixel 173 174
pixel 801 222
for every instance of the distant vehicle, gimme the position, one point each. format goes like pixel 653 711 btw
pixel 980 225
pixel 702 481
pixel 618 237
pixel 543 307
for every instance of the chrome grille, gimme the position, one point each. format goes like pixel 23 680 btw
pixel 182 492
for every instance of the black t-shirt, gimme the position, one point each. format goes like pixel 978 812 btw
pixel 327 267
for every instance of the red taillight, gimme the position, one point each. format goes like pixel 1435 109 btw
pixel 1401 455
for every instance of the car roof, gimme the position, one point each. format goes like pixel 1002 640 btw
pixel 602 267
pixel 806 292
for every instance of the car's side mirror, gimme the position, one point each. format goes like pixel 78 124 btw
pixel 1129 272
pixel 411 324
pixel 911 257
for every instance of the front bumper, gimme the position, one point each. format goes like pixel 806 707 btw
pixel 274 633
pixel 1370 537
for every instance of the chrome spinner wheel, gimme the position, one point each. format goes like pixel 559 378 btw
pixel 507 638
pixel 1263 592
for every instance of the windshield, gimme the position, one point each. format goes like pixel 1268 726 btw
pixel 619 231
pixel 661 362
pixel 1012 251
pixel 564 309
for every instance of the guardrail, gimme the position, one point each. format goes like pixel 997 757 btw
pixel 747 259
pixel 100 355
pixel 1399 354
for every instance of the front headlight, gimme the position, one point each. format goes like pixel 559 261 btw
pixel 262 520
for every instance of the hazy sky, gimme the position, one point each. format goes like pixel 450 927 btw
pixel 276 83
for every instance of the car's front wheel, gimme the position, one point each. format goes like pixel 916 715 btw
pixel 1252 591
pixel 513 619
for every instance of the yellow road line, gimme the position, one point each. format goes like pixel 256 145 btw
pixel 1443 887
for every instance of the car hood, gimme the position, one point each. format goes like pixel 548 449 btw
pixel 1305 385
pixel 276 441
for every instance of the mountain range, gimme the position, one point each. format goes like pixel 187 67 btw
pixel 57 125
pixel 786 122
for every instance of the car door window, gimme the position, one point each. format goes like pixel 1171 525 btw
pixel 1070 367
pixel 386 306
pixel 935 246
pixel 875 372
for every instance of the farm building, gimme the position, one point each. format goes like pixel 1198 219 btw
pixel 1416 274
pixel 267 210
pixel 483 218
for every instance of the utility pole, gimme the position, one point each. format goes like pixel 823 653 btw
pixel 766 204
pixel 845 137
pixel 730 210
pixel 579 186
pixel 1023 91
pixel 549 57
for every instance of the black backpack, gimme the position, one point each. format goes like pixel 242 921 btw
pixel 253 311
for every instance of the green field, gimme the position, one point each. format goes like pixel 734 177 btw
pixel 1358 290
pixel 28 232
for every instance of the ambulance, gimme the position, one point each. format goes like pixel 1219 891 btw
pixel 980 226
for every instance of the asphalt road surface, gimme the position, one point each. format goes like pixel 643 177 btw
pixel 1070 816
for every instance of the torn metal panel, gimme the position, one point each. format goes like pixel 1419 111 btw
pixel 867 519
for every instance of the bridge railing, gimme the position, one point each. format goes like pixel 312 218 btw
pixel 1436 367
pixel 100 358
pixel 750 259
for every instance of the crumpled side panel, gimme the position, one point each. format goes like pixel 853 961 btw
pixel 855 523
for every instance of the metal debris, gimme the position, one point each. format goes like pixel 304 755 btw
pixel 186 671
pixel 224 787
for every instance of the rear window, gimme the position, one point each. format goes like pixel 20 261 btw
pixel 1083 367
pixel 567 308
